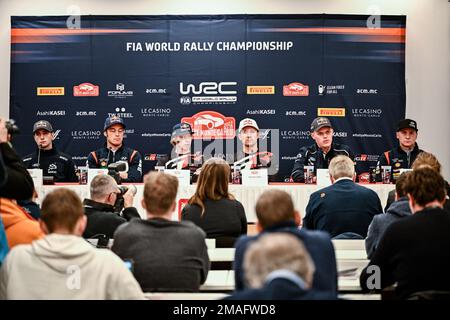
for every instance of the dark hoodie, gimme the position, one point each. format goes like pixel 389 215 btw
pixel 380 222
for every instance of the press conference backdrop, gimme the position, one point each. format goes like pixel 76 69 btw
pixel 211 71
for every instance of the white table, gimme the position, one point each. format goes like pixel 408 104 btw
pixel 223 281
pixel 246 195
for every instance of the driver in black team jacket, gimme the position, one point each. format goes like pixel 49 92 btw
pixel 402 156
pixel 320 153
pixel 52 162
pixel 114 151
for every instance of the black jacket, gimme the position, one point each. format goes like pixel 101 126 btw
pixel 102 157
pixel 53 163
pixel 397 159
pixel 413 252
pixel 18 183
pixel 342 207
pixel 314 156
pixel 222 218
pixel 101 218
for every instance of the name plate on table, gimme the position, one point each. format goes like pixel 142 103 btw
pixel 323 177
pixel 183 176
pixel 254 178
pixel 37 176
pixel 92 173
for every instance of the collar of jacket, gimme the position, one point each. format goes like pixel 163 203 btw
pixel 346 180
pixel 287 275
pixel 332 147
pixel 98 206
pixel 285 224
pixel 414 150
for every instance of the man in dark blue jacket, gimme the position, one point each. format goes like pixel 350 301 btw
pixel 276 213
pixel 343 207
pixel 114 151
pixel 278 267
pixel 321 152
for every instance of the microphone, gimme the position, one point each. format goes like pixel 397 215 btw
pixel 178 162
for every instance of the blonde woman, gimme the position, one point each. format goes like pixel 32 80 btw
pixel 213 208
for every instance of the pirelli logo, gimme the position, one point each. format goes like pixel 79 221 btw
pixel 50 91
pixel 260 89
pixel 331 112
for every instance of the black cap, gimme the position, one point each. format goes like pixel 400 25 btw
pixel 42 124
pixel 407 124
pixel 319 123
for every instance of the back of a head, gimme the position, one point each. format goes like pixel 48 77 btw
pixel 277 251
pixel 213 182
pixel 341 166
pixel 101 186
pixel 425 185
pixel 426 159
pixel 160 192
pixel 274 207
pixel 400 185
pixel 61 209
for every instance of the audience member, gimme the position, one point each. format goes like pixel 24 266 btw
pixel 278 267
pixel 428 159
pixel 3 242
pixel 212 207
pixel 100 210
pixel 344 206
pixel 168 255
pixel 399 209
pixel 414 252
pixel 63 265
pixel 18 183
pixel 275 212
pixel 20 227
pixel 31 206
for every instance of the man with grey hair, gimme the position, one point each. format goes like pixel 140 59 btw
pixel 103 214
pixel 343 209
pixel 278 267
